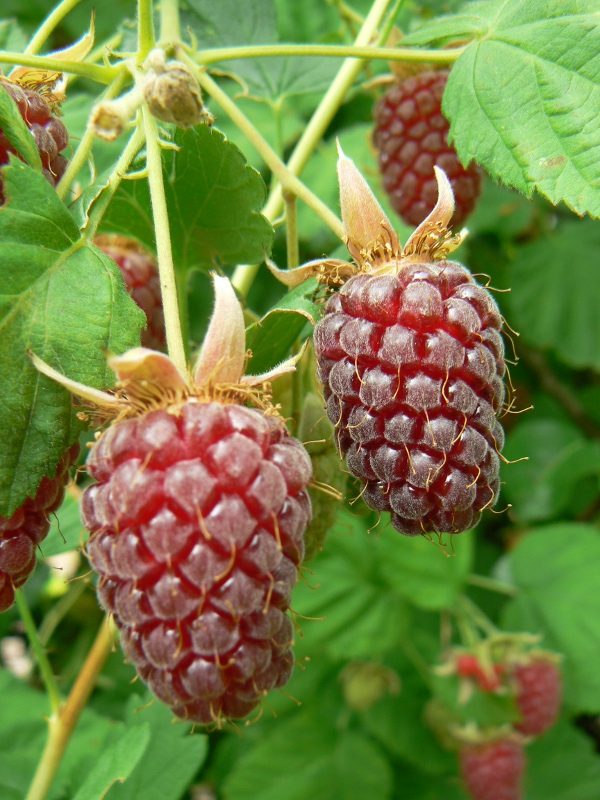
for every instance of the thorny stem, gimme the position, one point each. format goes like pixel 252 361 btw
pixel 122 165
pixel 166 269
pixel 411 54
pixel 492 585
pixel 92 71
pixel 84 147
pixel 62 721
pixel 244 275
pixel 145 29
pixel 275 164
pixel 53 19
pixel 39 651
pixel 291 230
pixel 170 29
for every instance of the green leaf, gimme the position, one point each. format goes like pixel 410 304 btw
pixel 213 200
pixel 556 293
pixel 12 37
pixel 270 339
pixel 115 763
pixel 556 570
pixel 170 761
pixel 306 757
pixel 428 576
pixel 16 131
pixel 271 78
pixel 451 28
pixel 63 300
pixel 66 530
pixel 523 99
pixel 562 765
pixel 559 457
pixel 350 612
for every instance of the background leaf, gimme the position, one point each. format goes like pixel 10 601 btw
pixel 115 763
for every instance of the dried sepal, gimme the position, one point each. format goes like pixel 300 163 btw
pixel 289 365
pixel 142 365
pixel 330 271
pixel 366 224
pixel 223 352
pixel 94 396
pixel 433 238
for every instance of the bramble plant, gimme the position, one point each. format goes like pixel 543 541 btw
pixel 217 181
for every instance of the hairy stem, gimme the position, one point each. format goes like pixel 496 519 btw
pixel 360 51
pixel 92 71
pixel 145 23
pixel 39 651
pixel 288 179
pixel 101 204
pixel 291 230
pixel 313 133
pixel 53 19
pixel 62 722
pixel 170 29
pixel 166 269
pixel 84 147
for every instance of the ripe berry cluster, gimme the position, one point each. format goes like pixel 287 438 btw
pixel 27 527
pixel 411 135
pixel 50 134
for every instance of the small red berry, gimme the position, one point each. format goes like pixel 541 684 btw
pixel 27 527
pixel 140 273
pixel 469 666
pixel 412 364
pixel 539 695
pixel 197 524
pixel 411 135
pixel 50 134
pixel 493 770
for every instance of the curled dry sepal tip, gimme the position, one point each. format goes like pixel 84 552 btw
pixel 197 519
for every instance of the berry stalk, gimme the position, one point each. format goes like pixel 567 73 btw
pixel 92 71
pixel 145 29
pixel 166 269
pixel 53 19
pixel 62 722
pixel 39 651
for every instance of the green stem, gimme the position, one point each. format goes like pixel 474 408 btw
pixel 92 71
pixel 62 722
pixel 166 269
pixel 49 24
pixel 313 133
pixel 145 29
pixel 291 230
pixel 39 651
pixel 410 54
pixel 170 29
pixel 275 164
pixel 84 147
pixel 493 585
pixel 99 207
pixel 386 28
pixel 478 617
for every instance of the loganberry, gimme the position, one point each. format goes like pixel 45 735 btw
pixel 50 134
pixel 27 527
pixel 411 135
pixel 140 273
pixel 493 770
pixel 539 694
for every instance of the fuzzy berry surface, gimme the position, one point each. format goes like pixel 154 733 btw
pixel 140 274
pixel 412 366
pixel 50 134
pixel 494 770
pixel 197 527
pixel 539 695
pixel 411 136
pixel 27 528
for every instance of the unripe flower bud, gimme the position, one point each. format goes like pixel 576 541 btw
pixel 173 93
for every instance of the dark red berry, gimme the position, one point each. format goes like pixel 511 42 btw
pixel 411 136
pixel 27 527
pixel 412 368
pixel 539 695
pixel 140 273
pixel 197 527
pixel 50 134
pixel 494 770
